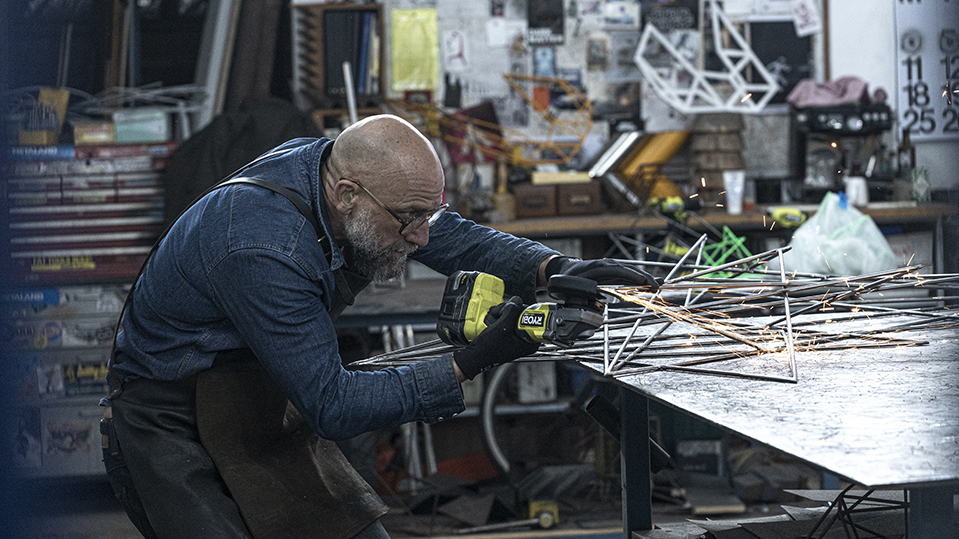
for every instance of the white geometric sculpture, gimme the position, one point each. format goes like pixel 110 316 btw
pixel 702 91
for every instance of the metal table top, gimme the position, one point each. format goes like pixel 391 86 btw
pixel 879 417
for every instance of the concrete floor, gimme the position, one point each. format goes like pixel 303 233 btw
pixel 86 509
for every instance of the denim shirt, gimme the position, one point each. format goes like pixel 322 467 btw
pixel 243 268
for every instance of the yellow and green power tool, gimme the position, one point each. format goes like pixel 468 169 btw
pixel 788 217
pixel 469 296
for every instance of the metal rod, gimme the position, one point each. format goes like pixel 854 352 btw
pixel 789 323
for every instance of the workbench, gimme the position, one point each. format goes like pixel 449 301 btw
pixel 881 213
pixel 882 418
pixel 928 217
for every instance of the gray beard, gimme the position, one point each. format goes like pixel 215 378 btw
pixel 368 259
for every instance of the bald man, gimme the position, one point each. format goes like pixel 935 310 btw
pixel 232 318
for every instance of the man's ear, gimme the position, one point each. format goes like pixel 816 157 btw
pixel 343 195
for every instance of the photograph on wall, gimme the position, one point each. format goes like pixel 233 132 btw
pixel 621 15
pixel 622 66
pixel 544 61
pixel 597 52
pixel 558 98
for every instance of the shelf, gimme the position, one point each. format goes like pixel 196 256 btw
pixel 358 38
pixel 748 221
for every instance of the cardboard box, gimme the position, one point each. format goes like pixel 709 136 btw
pixel 914 248
pixel 702 456
pixel 718 160
pixel 544 178
pixel 579 199
pixel 141 125
pixel 535 200
pixel 93 133
pixel 723 142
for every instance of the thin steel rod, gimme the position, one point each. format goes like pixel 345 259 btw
pixel 789 322
pixel 699 242
pixel 714 269
pixel 716 372
pixel 692 320
pixel 606 339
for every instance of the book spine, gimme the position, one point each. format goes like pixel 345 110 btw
pixel 373 66
pixel 363 62
pixel 104 151
pixel 28 153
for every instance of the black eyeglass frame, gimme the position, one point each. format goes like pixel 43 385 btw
pixel 413 221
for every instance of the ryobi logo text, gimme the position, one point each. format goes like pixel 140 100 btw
pixel 532 319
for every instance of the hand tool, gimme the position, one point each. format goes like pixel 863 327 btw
pixel 472 297
pixel 788 217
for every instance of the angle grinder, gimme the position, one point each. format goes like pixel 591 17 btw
pixel 470 301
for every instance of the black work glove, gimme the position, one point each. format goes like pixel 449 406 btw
pixel 499 343
pixel 603 271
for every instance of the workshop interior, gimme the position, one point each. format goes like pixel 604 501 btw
pixel 787 170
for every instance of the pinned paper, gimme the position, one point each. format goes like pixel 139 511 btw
pixel 807 18
pixel 501 32
pixel 415 49
pixel 456 57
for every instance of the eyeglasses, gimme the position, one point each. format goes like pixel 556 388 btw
pixel 414 221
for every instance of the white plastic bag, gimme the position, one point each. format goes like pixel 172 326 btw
pixel 838 240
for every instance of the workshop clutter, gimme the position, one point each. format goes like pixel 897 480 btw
pixel 56 344
pixel 760 474
pixel 716 147
pixel 551 194
pixel 838 240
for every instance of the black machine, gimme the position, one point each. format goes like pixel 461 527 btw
pixel 832 142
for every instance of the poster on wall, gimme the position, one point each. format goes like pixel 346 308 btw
pixel 787 56
pixel 546 22
pixel 927 69
pixel 670 15
pixel 415 49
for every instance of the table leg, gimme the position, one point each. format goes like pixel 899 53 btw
pixel 634 461
pixel 931 513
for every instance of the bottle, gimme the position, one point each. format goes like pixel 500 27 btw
pixel 906 156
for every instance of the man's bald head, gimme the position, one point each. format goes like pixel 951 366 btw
pixel 385 149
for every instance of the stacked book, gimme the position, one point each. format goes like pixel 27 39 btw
pixel 81 214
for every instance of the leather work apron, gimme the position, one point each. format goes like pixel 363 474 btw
pixel 287 481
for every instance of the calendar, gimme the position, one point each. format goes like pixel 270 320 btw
pixel 927 68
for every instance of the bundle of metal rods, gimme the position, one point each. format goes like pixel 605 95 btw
pixel 697 318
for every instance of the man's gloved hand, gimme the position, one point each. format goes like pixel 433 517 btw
pixel 499 343
pixel 603 271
